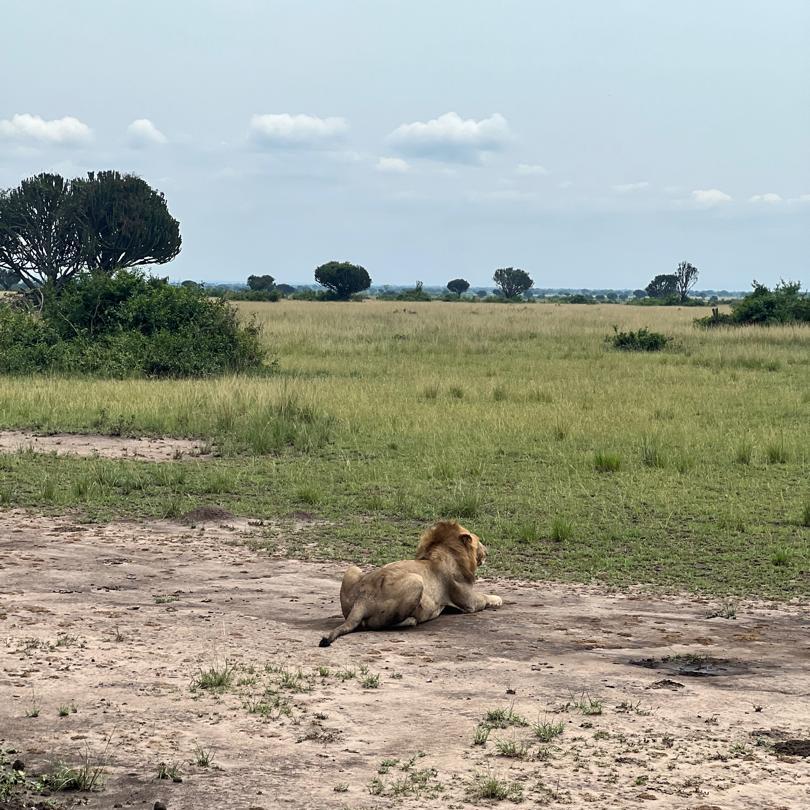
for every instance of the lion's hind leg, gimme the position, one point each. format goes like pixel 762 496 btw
pixel 348 589
pixel 397 602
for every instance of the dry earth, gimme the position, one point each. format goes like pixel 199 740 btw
pixel 115 621
pixel 93 444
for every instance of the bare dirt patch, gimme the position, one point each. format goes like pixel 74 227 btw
pixel 92 444
pixel 182 645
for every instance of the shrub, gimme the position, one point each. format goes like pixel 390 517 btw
pixel 640 341
pixel 128 324
pixel 784 304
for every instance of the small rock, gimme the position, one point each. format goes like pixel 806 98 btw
pixel 177 779
pixel 18 765
pixel 159 806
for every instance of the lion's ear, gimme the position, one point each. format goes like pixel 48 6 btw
pixel 465 538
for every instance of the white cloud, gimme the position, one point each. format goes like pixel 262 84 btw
pixel 802 198
pixel 528 169
pixel 296 131
pixel 624 188
pixel 452 138
pixel 142 132
pixel 68 131
pixel 392 165
pixel 706 198
pixel 565 184
pixel 770 198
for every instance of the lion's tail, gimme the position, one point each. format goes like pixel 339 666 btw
pixel 353 620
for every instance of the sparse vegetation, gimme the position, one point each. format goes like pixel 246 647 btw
pixel 215 678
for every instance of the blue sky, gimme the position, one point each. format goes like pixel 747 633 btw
pixel 593 143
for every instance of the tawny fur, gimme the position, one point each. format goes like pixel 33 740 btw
pixel 410 592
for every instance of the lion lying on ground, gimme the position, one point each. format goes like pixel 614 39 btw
pixel 402 594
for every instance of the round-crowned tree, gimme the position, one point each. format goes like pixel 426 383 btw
pixel 343 279
pixel 458 286
pixel 261 283
pixel 512 281
pixel 124 222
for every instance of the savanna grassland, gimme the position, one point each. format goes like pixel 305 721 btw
pixel 686 469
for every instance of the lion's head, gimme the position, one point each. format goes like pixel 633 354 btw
pixel 449 538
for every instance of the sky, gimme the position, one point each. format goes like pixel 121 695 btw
pixel 594 144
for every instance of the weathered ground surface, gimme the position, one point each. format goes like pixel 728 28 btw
pixel 77 444
pixel 116 621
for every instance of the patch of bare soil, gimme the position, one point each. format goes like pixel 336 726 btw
pixel 92 444
pixel 117 634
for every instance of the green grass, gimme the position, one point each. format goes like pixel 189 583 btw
pixel 361 426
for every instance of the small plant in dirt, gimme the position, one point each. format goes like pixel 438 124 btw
pixel 512 748
pixel 781 556
pixel 324 672
pixel 346 674
pixel 545 732
pixel 493 788
pixel 294 681
pixel 744 452
pixel 32 711
pixel 370 682
pixel 203 756
pixel 604 461
pixel 728 610
pixel 628 707
pixel 584 704
pixel 503 718
pixel 165 599
pixel 217 678
pixel 642 340
pixel 481 734
pixel 341 787
pixel 169 771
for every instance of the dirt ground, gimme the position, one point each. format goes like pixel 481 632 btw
pixel 91 444
pixel 114 623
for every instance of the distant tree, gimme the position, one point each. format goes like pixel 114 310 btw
pixel 458 286
pixel 8 279
pixel 512 281
pixel 612 296
pixel 639 293
pixel 189 283
pixel 40 237
pixel 662 286
pixel 263 283
pixel 686 275
pixel 481 293
pixel 344 279
pixel 285 289
pixel 124 222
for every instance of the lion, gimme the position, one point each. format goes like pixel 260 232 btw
pixel 409 592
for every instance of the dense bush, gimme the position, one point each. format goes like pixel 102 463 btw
pixel 641 341
pixel 128 324
pixel 784 304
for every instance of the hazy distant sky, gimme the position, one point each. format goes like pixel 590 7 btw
pixel 592 142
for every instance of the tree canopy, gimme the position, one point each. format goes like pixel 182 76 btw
pixel 662 286
pixel 512 281
pixel 40 235
pixel 263 283
pixel 52 228
pixel 344 279
pixel 685 277
pixel 458 286
pixel 124 222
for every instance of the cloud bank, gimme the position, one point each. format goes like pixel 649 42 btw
pixel 26 128
pixel 142 133
pixel 452 138
pixel 296 131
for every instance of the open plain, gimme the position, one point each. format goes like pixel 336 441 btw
pixel 163 588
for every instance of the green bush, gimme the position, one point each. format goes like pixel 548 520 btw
pixel 641 341
pixel 784 304
pixel 128 324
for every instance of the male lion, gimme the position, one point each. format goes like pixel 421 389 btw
pixel 402 594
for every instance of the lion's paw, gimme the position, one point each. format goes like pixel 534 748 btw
pixel 494 601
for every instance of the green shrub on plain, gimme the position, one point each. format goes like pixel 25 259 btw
pixel 128 324
pixel 642 340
